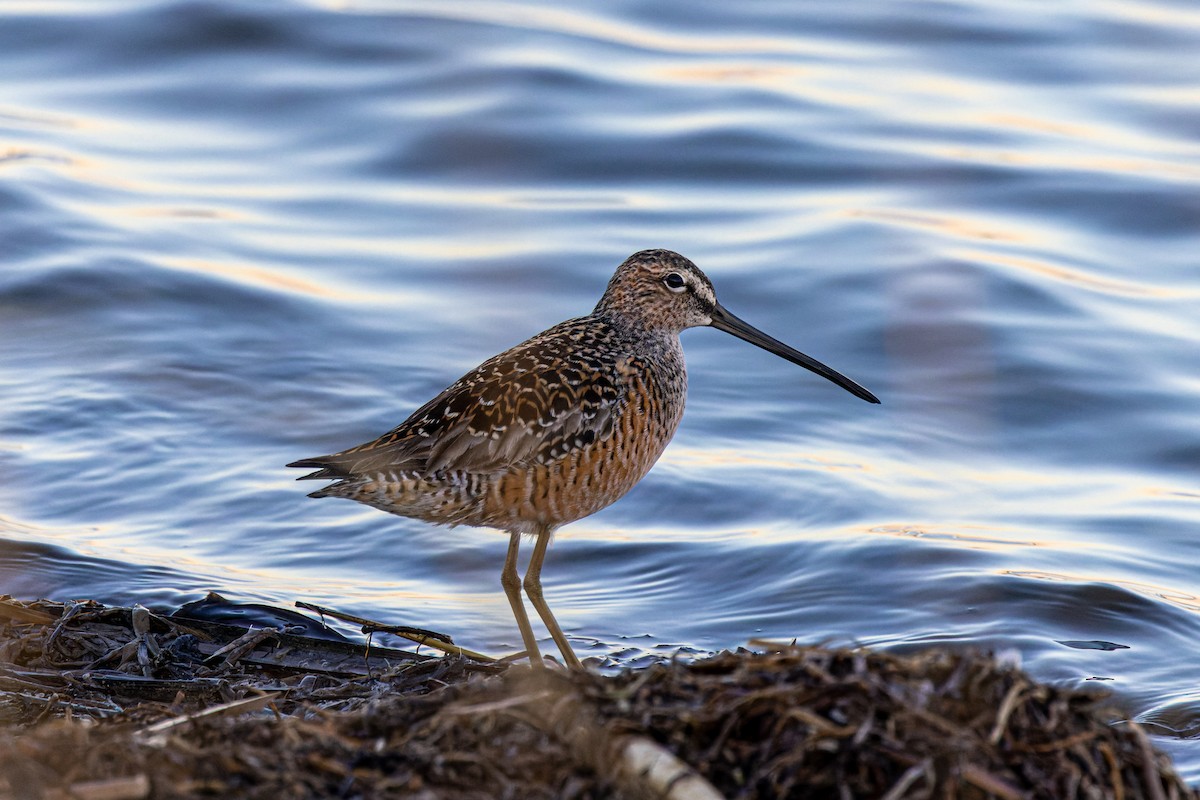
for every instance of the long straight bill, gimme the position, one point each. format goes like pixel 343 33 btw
pixel 722 320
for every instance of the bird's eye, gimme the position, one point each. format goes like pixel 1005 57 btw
pixel 674 282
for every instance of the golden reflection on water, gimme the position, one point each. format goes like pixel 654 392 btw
pixel 1176 597
pixel 112 173
pixel 1167 493
pixel 8 524
pixel 1067 275
pixel 110 543
pixel 782 460
pixel 952 226
pixel 1151 14
pixel 26 118
pixel 257 276
pixel 182 213
pixel 974 536
pixel 775 75
pixel 12 157
pixel 1023 122
pixel 1160 168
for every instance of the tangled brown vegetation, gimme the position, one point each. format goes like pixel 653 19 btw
pixel 121 703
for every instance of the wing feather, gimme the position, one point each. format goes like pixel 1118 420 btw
pixel 553 394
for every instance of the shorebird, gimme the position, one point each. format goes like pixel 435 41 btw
pixel 555 428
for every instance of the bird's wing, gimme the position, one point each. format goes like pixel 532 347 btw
pixel 538 401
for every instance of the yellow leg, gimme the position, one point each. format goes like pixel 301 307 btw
pixel 533 588
pixel 512 588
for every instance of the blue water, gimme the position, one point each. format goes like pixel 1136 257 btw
pixel 233 235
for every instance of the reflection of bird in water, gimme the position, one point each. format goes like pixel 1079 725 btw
pixel 554 429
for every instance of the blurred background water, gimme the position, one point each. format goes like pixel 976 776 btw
pixel 233 235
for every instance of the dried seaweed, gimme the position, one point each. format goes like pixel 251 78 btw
pixel 797 722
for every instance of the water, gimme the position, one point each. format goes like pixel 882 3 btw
pixel 234 235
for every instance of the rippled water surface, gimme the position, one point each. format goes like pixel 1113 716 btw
pixel 233 235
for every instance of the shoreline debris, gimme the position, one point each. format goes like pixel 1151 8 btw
pixel 127 703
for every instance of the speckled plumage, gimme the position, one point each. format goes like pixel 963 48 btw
pixel 530 437
pixel 553 429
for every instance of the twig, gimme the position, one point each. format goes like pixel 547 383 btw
pixel 496 705
pixel 134 787
pixel 1114 771
pixel 986 781
pixel 236 650
pixel 154 734
pixel 73 609
pixel 13 610
pixel 437 641
pixel 370 623
pixel 81 706
pixel 909 777
pixel 1149 763
pixel 1006 709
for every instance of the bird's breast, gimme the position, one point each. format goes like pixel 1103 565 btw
pixel 652 389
